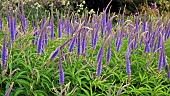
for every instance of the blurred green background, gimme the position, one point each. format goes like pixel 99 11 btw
pixel 132 6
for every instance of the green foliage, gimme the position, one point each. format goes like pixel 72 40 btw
pixel 37 76
pixel 33 79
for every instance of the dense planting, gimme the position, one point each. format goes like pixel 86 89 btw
pixel 84 55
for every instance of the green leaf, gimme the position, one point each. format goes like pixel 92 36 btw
pixel 19 91
pixel 40 93
pixel 45 77
pixel 85 91
pixel 23 82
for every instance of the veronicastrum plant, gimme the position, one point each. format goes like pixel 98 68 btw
pixel 87 54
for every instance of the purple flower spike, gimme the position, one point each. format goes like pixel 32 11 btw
pixel 147 47
pixel 42 22
pixel 104 19
pixel 0 22
pixel 162 56
pixel 61 72
pixel 84 42
pixel 61 78
pixel 78 45
pixel 119 43
pixel 34 41
pixel 23 19
pixel 59 29
pixel 72 45
pixel 164 60
pixel 12 30
pixel 160 61
pixel 9 90
pixel 15 28
pixel 23 22
pixel 39 45
pixel 46 38
pixel 128 71
pixel 7 14
pixel 52 29
pixel 99 68
pixel 4 53
pixel 168 74
pixel 52 56
pixel 99 61
pixel 108 55
pixel 95 40
pixel 99 54
pixel 52 24
pixel 144 23
pixel 159 43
